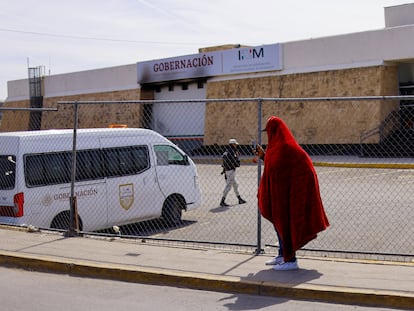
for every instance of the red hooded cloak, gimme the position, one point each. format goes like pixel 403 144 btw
pixel 288 193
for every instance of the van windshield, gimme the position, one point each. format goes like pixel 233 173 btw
pixel 7 172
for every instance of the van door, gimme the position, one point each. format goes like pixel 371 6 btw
pixel 132 190
pixel 176 173
pixel 47 195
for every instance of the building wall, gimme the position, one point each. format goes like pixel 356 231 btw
pixel 96 115
pixel 328 122
pixel 15 120
pixel 113 83
pixel 333 122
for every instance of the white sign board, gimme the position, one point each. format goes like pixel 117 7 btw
pixel 233 61
pixel 262 58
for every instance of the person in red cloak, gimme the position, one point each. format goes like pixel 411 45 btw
pixel 288 194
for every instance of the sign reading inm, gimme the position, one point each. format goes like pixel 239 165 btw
pixel 233 61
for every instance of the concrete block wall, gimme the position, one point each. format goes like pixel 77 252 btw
pixel 96 115
pixel 333 122
pixel 15 120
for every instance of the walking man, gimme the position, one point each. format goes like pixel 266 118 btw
pixel 230 162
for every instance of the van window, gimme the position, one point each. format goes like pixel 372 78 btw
pixel 47 169
pixel 7 172
pixel 168 155
pixel 123 161
pixel 55 168
pixel 89 165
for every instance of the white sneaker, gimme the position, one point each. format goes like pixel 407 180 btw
pixel 274 261
pixel 286 266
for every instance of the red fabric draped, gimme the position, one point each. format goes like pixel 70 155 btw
pixel 288 193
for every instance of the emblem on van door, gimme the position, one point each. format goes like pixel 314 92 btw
pixel 126 195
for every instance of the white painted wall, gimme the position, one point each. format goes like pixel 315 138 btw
pixel 92 81
pixel 349 51
pixel 82 82
pixel 17 90
pixel 399 15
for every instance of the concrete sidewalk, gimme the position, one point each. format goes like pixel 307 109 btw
pixel 370 283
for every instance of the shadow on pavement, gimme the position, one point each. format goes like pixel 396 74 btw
pixel 252 302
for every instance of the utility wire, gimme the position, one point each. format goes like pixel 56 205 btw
pixel 95 38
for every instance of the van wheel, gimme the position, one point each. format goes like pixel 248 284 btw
pixel 62 221
pixel 172 210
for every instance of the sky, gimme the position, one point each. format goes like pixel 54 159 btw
pixel 76 35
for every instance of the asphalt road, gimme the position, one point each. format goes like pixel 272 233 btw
pixel 26 290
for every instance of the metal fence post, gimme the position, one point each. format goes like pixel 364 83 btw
pixel 73 215
pixel 259 249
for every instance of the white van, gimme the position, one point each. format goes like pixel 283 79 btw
pixel 123 176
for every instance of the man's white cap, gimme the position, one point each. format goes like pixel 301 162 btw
pixel 233 141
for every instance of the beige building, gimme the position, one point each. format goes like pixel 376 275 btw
pixel 371 63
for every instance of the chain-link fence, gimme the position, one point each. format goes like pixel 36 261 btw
pixel 137 185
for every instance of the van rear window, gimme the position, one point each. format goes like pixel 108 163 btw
pixel 7 172
pixel 47 169
pixel 55 167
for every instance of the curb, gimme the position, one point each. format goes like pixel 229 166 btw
pixel 248 161
pixel 202 281
pixel 400 166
